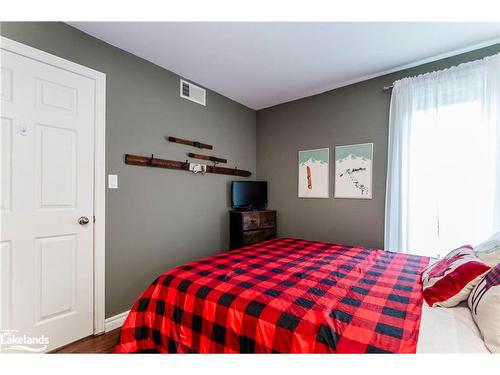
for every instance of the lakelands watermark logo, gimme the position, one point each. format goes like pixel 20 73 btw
pixel 12 341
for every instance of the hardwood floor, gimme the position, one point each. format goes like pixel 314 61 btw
pixel 93 344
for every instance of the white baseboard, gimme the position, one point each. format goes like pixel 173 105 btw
pixel 115 321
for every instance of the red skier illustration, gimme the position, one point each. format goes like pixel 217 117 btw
pixel 309 178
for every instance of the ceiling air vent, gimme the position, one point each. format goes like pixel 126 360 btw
pixel 192 92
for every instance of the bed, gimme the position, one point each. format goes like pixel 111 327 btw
pixel 282 296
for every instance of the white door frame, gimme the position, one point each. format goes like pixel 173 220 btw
pixel 99 161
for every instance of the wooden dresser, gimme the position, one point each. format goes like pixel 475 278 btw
pixel 248 227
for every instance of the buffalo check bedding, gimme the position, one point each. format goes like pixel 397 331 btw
pixel 282 296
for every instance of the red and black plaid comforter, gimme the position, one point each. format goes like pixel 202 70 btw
pixel 282 296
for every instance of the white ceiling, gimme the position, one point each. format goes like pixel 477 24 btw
pixel 264 64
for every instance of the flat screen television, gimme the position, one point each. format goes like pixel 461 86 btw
pixel 249 194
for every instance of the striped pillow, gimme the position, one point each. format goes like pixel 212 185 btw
pixel 484 303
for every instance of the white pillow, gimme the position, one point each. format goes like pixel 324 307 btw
pixel 484 303
pixel 489 251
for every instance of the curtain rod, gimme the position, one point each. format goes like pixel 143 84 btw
pixel 387 88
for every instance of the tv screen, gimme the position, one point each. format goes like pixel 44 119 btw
pixel 245 194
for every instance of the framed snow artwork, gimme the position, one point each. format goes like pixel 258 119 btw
pixel 353 171
pixel 314 166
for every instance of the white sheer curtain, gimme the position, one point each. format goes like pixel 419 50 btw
pixel 443 175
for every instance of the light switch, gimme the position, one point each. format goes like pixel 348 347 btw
pixel 112 181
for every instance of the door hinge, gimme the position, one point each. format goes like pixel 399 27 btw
pixel 94 218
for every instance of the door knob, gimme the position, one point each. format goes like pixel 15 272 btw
pixel 83 220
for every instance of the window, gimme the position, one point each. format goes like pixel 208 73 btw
pixel 444 159
pixel 451 179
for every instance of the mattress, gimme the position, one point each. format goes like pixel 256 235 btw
pixel 449 330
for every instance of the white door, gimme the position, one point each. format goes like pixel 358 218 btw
pixel 47 156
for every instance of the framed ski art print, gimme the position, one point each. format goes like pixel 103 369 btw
pixel 314 167
pixel 353 171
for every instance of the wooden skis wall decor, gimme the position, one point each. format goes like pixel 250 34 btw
pixel 190 143
pixel 174 164
pixel 145 161
pixel 207 157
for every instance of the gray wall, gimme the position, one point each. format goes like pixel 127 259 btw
pixel 158 218
pixel 357 113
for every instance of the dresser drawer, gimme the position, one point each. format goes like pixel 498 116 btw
pixel 249 227
pixel 255 236
pixel 267 220
pixel 251 220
